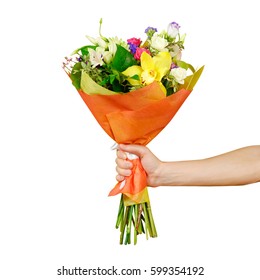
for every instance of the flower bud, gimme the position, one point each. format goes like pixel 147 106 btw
pixel 97 42
pixel 173 29
pixel 107 56
pixel 112 47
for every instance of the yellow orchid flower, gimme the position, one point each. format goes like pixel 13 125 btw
pixel 151 69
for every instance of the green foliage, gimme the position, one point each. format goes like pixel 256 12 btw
pixel 76 75
pixel 122 59
pixel 185 65
pixel 84 50
pixel 103 67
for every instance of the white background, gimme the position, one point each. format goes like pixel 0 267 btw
pixel 56 164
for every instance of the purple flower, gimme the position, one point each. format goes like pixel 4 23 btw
pixel 173 65
pixel 150 31
pixel 132 48
pixel 175 25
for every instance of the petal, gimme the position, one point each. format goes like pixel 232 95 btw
pixel 147 62
pixel 163 88
pixel 132 71
pixel 147 77
pixel 162 62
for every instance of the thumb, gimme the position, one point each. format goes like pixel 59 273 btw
pixel 138 150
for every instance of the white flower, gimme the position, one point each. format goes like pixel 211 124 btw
pixel 97 42
pixel 179 74
pixel 159 43
pixel 96 58
pixel 173 29
pixel 112 47
pixel 112 42
pixel 100 50
pixel 101 43
pixel 91 39
pixel 107 56
pixel 176 52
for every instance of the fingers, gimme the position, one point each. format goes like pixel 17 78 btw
pixel 123 167
pixel 120 178
pixel 122 173
pixel 134 149
pixel 120 154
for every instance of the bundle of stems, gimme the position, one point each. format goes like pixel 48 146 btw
pixel 136 219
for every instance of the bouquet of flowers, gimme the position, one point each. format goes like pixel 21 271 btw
pixel 133 88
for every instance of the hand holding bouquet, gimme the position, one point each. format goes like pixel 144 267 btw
pixel 133 88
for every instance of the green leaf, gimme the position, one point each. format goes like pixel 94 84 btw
pixel 182 64
pixel 76 75
pixel 104 81
pixel 116 86
pixel 122 59
pixel 112 77
pixel 84 50
pixel 185 65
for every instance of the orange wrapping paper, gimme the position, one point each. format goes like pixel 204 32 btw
pixel 135 118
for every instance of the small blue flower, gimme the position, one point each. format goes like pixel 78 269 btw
pixel 150 31
pixel 132 48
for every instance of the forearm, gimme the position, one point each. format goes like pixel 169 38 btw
pixel 238 167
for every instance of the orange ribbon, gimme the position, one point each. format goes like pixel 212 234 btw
pixel 134 183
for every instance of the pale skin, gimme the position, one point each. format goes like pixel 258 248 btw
pixel 233 168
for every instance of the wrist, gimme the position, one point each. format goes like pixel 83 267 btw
pixel 160 177
pixel 166 175
pixel 174 174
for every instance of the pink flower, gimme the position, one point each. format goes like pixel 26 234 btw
pixel 139 51
pixel 134 41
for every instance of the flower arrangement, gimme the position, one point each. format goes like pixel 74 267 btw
pixel 133 88
pixel 123 66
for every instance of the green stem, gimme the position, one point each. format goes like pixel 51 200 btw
pixel 135 223
pixel 153 228
pixel 146 221
pixel 123 225
pixel 120 212
pixel 100 24
pixel 140 215
pixel 129 223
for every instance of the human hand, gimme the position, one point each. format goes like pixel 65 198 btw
pixel 150 163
